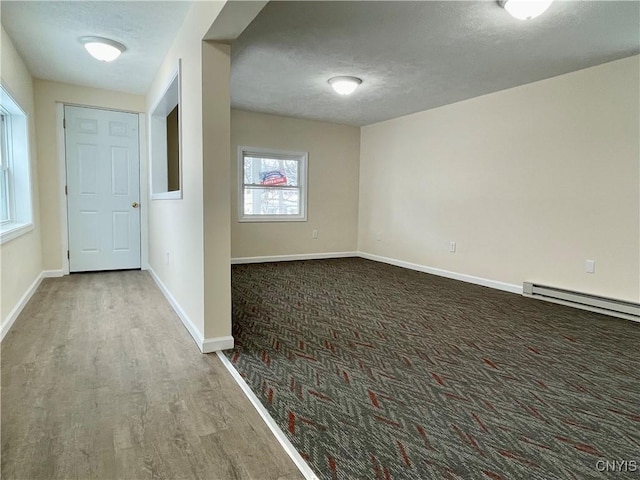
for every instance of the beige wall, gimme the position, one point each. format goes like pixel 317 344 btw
pixel 176 227
pixel 530 182
pixel 47 95
pixel 333 171
pixel 20 258
pixel 216 122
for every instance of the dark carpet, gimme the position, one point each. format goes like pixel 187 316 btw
pixel 374 371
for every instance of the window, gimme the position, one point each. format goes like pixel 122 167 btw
pixel 272 185
pixel 5 206
pixel 15 184
pixel 165 143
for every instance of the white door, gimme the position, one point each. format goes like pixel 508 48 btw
pixel 103 189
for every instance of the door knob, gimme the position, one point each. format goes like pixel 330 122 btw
pixel 134 204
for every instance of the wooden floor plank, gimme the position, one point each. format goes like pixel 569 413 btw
pixel 100 380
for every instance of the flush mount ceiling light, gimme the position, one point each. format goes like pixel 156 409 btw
pixel 102 49
pixel 525 9
pixel 344 85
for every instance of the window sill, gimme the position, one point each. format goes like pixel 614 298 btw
pixel 175 195
pixel 11 231
pixel 265 218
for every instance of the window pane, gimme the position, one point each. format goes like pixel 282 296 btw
pixel 270 171
pixel 4 194
pixel 3 145
pixel 271 201
pixel 4 172
pixel 15 194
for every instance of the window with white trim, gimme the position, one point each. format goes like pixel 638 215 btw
pixel 15 183
pixel 5 201
pixel 272 185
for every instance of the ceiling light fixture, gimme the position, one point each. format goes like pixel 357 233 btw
pixel 344 85
pixel 525 9
pixel 102 49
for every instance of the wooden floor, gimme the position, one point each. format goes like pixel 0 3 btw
pixel 100 380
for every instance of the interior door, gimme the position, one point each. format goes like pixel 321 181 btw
pixel 103 189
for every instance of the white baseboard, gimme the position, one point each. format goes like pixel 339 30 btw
pixel 8 322
pixel 206 345
pixel 52 273
pixel 290 258
pixel 216 344
pixel 191 328
pixel 268 419
pixel 485 282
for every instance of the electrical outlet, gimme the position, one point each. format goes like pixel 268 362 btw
pixel 452 247
pixel 168 259
pixel 590 266
pixel 314 234
pixel 378 236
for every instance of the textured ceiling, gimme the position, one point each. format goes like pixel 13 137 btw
pixel 413 56
pixel 46 35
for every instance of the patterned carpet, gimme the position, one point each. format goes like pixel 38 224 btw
pixel 377 372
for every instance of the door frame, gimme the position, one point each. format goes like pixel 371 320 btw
pixel 62 181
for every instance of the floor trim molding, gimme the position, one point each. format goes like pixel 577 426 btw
pixel 8 322
pixel 268 419
pixel 206 345
pixel 485 282
pixel 52 273
pixel 191 328
pixel 290 258
pixel 215 344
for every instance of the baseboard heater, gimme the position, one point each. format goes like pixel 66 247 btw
pixel 609 306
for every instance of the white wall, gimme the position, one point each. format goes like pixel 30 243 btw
pixel 530 182
pixel 47 95
pixel 333 169
pixel 20 258
pixel 176 227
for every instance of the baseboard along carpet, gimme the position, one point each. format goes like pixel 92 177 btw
pixel 374 371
